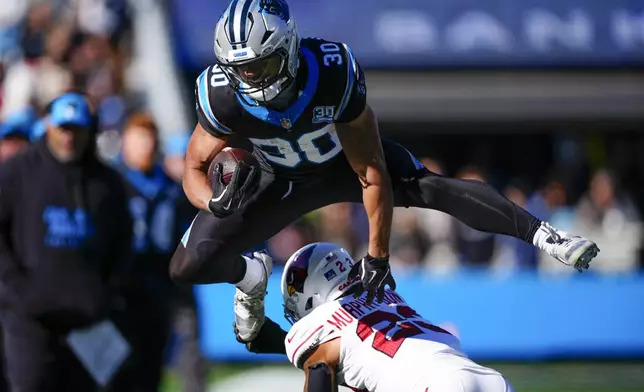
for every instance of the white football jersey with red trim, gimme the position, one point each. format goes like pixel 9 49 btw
pixel 385 347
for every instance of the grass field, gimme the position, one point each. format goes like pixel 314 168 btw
pixel 528 377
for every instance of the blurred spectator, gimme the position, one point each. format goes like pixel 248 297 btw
pixel 15 133
pixel 68 44
pixel 152 200
pixel 11 13
pixel 475 248
pixel 409 242
pixel 34 31
pixel 608 215
pixel 191 365
pixel 548 203
pixel 550 197
pixel 174 153
pixel 335 226
pixel 64 242
pixel 42 74
pixel 290 239
pixel 38 129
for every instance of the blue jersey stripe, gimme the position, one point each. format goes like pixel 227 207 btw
pixel 204 102
pixel 352 69
pixel 418 164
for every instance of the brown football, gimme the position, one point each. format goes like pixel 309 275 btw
pixel 229 159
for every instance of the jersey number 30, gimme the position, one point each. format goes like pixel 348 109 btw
pixel 283 152
pixel 408 328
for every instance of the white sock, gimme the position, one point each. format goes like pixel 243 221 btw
pixel 254 275
pixel 543 233
pixel 540 236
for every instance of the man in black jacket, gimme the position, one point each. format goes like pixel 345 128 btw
pixel 65 235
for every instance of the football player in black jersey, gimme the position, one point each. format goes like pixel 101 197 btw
pixel 302 104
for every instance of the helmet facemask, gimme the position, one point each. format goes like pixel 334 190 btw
pixel 261 78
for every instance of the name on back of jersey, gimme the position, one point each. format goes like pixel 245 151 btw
pixel 351 310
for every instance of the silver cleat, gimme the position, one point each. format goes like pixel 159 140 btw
pixel 249 307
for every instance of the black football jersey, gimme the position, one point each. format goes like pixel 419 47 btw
pixel 302 139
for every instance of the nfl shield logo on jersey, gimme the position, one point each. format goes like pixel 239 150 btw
pixel 323 114
pixel 286 123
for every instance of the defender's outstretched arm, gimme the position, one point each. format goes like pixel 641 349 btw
pixel 361 143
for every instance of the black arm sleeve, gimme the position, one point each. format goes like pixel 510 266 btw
pixel 270 339
pixel 321 378
pixel 357 86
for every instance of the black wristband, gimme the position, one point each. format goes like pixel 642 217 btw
pixel 371 258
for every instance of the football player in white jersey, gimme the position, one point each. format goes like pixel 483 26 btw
pixel 337 339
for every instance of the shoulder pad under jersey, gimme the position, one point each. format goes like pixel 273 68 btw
pixel 341 70
pixel 215 102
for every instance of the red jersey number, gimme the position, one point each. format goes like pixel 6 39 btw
pixel 408 328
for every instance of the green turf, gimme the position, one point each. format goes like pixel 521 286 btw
pixel 525 377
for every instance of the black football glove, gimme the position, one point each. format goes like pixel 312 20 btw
pixel 227 199
pixel 270 339
pixel 375 274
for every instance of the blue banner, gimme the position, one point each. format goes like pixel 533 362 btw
pixel 524 317
pixel 448 33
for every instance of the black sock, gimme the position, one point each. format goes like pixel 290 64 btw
pixel 239 270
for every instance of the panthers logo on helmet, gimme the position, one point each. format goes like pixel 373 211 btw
pixel 275 7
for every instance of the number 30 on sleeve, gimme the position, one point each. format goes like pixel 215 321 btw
pixel 332 56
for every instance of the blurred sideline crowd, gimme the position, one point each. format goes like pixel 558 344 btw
pixel 435 243
pixel 48 48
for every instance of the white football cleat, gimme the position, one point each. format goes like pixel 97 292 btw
pixel 249 307
pixel 574 251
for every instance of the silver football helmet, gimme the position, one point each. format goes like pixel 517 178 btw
pixel 257 46
pixel 315 274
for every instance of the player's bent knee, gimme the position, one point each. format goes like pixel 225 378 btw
pixel 204 263
pixel 187 266
pixel 178 269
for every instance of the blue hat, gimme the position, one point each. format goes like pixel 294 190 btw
pixel 18 124
pixel 70 109
pixel 177 144
pixel 38 130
